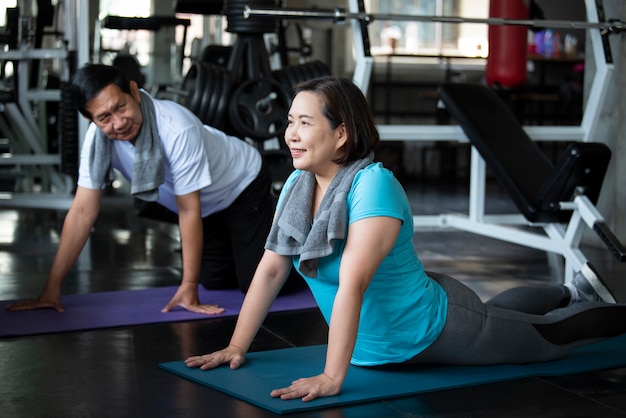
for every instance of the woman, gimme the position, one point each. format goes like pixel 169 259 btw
pixel 346 225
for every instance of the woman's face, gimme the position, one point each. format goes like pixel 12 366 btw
pixel 116 113
pixel 311 140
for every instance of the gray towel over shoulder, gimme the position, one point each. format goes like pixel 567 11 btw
pixel 148 167
pixel 293 233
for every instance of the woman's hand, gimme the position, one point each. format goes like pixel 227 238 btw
pixel 308 388
pixel 231 355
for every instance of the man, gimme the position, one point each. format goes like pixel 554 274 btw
pixel 216 184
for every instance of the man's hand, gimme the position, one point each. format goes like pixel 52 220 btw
pixel 308 389
pixel 187 297
pixel 42 302
pixel 231 355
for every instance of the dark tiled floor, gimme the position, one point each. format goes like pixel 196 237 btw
pixel 113 373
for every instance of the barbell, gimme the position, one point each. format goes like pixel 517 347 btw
pixel 339 15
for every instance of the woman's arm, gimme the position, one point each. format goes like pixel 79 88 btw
pixel 369 242
pixel 268 279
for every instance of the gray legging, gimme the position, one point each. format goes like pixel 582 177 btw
pixel 508 330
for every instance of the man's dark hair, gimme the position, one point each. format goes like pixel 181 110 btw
pixel 91 79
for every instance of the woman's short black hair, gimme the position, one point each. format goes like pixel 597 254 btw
pixel 344 102
pixel 91 79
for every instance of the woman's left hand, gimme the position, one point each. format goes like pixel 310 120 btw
pixel 308 388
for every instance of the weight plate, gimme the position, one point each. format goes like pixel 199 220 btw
pixel 193 84
pixel 306 72
pixel 258 108
pixel 281 77
pixel 207 91
pixel 237 23
pixel 215 95
pixel 222 104
pixel 320 68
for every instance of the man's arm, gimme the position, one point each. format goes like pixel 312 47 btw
pixel 190 224
pixel 191 236
pixel 76 229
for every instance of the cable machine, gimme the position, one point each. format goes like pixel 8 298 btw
pixel 45 162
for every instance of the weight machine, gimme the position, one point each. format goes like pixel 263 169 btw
pixel 558 236
pixel 23 112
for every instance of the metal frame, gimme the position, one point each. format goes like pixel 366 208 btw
pixel 19 113
pixel 559 239
pixel 29 138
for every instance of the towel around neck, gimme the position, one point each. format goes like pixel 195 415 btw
pixel 148 167
pixel 292 232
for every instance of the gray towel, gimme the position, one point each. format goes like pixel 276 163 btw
pixel 292 233
pixel 148 168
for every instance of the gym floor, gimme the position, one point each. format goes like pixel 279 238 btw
pixel 113 372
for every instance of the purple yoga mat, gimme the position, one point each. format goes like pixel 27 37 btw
pixel 130 307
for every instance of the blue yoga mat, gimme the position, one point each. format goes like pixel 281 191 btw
pixel 267 370
pixel 130 307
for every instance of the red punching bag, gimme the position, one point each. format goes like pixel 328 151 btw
pixel 506 62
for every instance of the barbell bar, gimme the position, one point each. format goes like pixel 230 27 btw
pixel 339 15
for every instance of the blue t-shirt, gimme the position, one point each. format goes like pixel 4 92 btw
pixel 403 310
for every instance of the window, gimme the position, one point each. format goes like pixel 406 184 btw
pixel 135 42
pixel 429 38
pixel 5 4
pixel 144 45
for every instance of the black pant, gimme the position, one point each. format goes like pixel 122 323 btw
pixel 234 238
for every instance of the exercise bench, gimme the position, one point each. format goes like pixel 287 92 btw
pixel 558 197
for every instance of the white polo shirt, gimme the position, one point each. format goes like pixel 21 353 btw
pixel 197 157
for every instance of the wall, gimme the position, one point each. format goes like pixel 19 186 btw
pixel 613 202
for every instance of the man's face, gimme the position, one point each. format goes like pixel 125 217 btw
pixel 116 113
